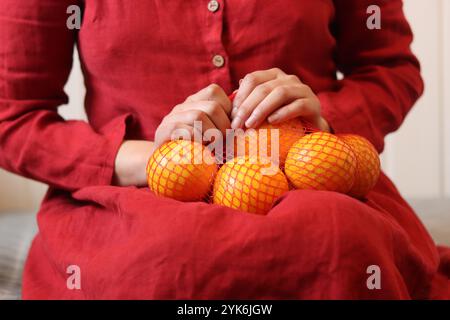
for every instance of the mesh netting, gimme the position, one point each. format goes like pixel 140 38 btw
pixel 321 161
pixel 178 169
pixel 182 170
pixel 368 165
pixel 266 142
pixel 243 184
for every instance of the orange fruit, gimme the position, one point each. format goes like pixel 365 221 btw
pixel 368 164
pixel 182 170
pixel 321 161
pixel 249 184
pixel 258 143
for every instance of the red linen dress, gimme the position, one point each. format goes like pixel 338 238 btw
pixel 142 57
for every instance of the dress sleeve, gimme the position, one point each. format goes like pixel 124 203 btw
pixel 36 50
pixel 381 75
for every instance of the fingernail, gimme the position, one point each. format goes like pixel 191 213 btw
pixel 250 121
pixel 236 123
pixel 235 105
pixel 233 95
pixel 273 118
pixel 233 112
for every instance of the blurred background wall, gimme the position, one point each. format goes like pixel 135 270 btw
pixel 417 157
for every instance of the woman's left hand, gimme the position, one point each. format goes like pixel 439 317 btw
pixel 275 96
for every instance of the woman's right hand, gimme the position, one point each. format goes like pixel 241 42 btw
pixel 211 106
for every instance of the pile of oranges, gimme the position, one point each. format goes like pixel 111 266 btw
pixel 186 171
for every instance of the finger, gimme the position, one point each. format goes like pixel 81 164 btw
pixel 232 95
pixel 279 97
pixel 184 131
pixel 213 92
pixel 297 108
pixel 214 111
pixel 196 118
pixel 252 101
pixel 183 119
pixel 251 81
pixel 172 131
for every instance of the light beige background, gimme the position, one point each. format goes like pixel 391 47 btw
pixel 417 157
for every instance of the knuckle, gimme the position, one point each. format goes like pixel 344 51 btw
pixel 263 90
pixel 277 70
pixel 282 91
pixel 293 78
pixel 250 79
pixel 306 88
pixel 213 89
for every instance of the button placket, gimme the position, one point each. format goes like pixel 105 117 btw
pixel 219 72
pixel 213 5
pixel 218 61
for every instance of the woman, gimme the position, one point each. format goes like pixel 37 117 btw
pixel 153 66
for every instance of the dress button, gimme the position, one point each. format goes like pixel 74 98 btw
pixel 218 61
pixel 213 5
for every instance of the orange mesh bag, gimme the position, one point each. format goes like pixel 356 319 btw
pixel 248 184
pixel 368 165
pixel 259 142
pixel 182 170
pixel 321 161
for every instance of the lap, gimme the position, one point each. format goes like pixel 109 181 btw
pixel 127 237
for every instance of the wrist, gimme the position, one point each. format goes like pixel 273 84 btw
pixel 131 162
